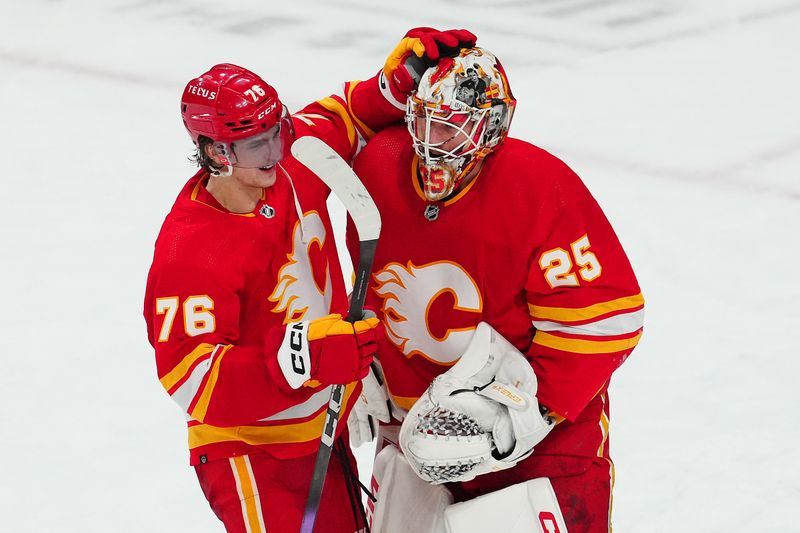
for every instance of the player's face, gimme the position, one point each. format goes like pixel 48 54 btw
pixel 254 177
pixel 262 151
pixel 445 135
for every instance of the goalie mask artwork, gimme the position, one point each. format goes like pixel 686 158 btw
pixel 241 113
pixel 460 112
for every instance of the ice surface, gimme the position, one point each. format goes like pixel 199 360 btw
pixel 682 117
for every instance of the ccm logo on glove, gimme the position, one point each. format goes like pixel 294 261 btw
pixel 300 359
pixel 325 351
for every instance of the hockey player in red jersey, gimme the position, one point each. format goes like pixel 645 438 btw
pixel 507 301
pixel 245 296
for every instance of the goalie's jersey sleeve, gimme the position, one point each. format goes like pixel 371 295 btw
pixel 524 247
pixel 348 119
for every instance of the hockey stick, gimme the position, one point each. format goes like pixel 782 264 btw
pixel 342 181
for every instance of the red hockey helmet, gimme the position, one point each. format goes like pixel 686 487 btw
pixel 229 103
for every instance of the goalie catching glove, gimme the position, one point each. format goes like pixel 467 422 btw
pixel 480 416
pixel 325 351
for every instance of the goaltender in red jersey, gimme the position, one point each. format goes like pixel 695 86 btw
pixel 508 303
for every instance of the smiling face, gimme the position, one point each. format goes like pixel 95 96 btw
pixel 238 188
pixel 254 177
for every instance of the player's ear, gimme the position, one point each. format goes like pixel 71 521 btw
pixel 212 153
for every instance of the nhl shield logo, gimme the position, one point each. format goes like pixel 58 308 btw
pixel 267 211
pixel 431 212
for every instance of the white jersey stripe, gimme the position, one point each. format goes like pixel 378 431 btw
pixel 184 395
pixel 615 325
pixel 307 408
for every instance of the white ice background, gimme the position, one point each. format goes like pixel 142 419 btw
pixel 681 117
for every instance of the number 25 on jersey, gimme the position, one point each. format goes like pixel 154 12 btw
pixel 197 315
pixel 559 265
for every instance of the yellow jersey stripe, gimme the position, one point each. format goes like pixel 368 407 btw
pixel 201 407
pixel 405 402
pixel 569 314
pixel 583 346
pixel 180 370
pixel 366 129
pixel 335 106
pixel 203 434
pixel 603 427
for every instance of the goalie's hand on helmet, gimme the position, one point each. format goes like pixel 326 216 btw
pixel 420 49
pixel 480 416
pixel 325 351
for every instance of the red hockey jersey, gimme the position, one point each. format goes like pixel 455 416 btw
pixel 220 281
pixel 524 247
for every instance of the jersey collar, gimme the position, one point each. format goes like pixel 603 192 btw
pixel 201 195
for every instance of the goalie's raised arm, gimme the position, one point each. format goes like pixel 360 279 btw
pixel 347 119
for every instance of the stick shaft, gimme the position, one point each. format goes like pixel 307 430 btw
pixel 356 311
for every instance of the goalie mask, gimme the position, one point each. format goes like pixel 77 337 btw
pixel 460 112
pixel 241 113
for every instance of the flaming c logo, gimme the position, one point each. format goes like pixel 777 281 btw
pixel 408 293
pixel 297 294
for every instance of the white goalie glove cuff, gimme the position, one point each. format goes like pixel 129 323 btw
pixel 371 406
pixel 480 416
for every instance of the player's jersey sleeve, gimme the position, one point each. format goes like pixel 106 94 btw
pixel 193 321
pixel 348 119
pixel 583 298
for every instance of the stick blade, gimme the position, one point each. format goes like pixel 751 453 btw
pixel 323 161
